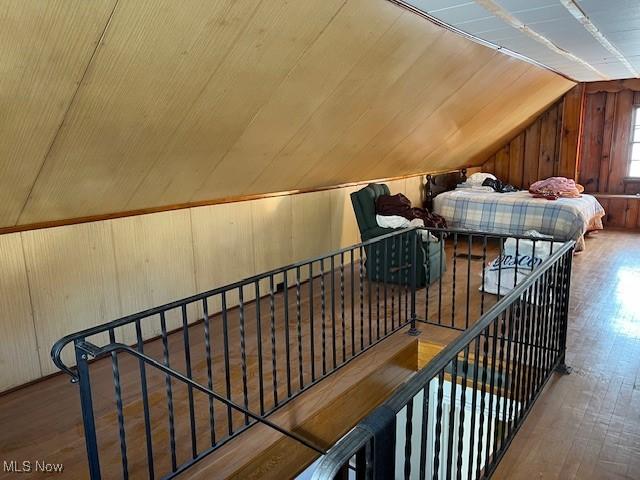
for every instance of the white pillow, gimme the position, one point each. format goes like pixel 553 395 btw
pixel 477 178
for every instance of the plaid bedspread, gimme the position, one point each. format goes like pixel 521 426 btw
pixel 515 213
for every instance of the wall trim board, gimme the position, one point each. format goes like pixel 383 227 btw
pixel 204 203
pixel 613 86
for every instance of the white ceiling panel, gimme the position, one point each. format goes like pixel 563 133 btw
pixel 608 50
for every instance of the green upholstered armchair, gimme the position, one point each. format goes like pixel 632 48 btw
pixel 392 259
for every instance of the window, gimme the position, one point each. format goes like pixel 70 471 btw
pixel 634 162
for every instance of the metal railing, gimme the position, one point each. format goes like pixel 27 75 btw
pixel 457 416
pixel 201 370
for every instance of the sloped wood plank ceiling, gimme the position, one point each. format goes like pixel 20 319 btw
pixel 116 105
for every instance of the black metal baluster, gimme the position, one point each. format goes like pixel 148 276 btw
pixel 187 358
pixel 440 271
pixel 453 286
pixel 86 403
pixel 469 244
pixel 361 289
pixel 118 394
pixel 377 294
pixel 333 313
pixel 385 276
pixel 424 438
pixel 500 395
pixel 259 340
pixel 490 424
pixel 408 432
pixel 501 260
pixel 507 391
pixel 394 257
pixel 427 266
pixel 520 366
pixel 485 351
pixel 538 338
pixel 463 404
pixel 409 268
pixel 299 330
pixel 207 347
pixel 484 268
pixel 169 389
pixel 323 301
pixel 514 368
pixel 227 365
pixel 145 401
pixel 527 345
pixel 287 344
pixel 436 450
pixel 312 333
pixel 474 397
pixel 342 315
pixel 452 416
pixel 243 353
pixel 353 303
pixel 274 356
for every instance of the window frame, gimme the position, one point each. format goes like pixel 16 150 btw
pixel 635 124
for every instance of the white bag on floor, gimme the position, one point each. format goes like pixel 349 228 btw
pixel 510 268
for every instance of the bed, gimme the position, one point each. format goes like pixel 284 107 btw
pixel 513 213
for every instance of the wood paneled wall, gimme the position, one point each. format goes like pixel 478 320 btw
pixel 58 280
pixel 605 150
pixel 606 137
pixel 547 147
pixel 136 104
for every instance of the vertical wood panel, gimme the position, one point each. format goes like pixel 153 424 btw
pixel 572 110
pixel 620 145
pixel 414 189
pixel 516 160
pixel 223 246
pixel 548 137
pixel 592 139
pixel 616 213
pixel 631 218
pixel 271 222
pixel 311 228
pixel 19 360
pixel 154 261
pixel 344 227
pixel 531 154
pixel 490 165
pixel 502 163
pixel 72 276
pixel 607 140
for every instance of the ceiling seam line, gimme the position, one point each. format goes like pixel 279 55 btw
pixel 67 110
pixel 494 46
pixel 514 22
pixel 575 10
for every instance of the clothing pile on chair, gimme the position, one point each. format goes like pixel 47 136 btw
pixel 556 187
pixel 486 182
pixel 395 211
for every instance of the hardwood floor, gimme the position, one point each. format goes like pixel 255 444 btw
pixel 587 425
